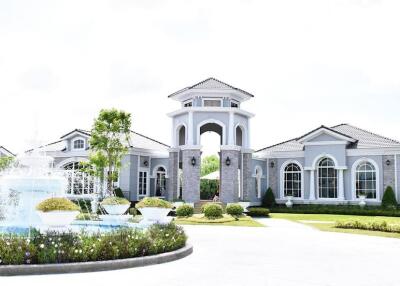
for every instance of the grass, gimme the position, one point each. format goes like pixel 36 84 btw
pixel 227 220
pixel 326 222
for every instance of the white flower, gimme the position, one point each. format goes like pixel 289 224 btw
pixel 76 251
pixel 42 246
pixel 55 245
pixel 80 250
pixel 7 243
pixel 1 261
pixel 28 240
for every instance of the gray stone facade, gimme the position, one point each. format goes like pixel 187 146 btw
pixel 229 183
pixel 172 189
pixel 191 175
pixel 248 180
pixel 273 176
pixel 388 172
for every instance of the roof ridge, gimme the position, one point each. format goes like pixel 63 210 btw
pixel 144 136
pixel 367 131
pixel 1 146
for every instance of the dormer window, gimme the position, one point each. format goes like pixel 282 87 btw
pixel 212 102
pixel 188 104
pixel 234 104
pixel 78 144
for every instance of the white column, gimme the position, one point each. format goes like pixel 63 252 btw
pixel 341 185
pixel 190 129
pixel 312 185
pixel 230 137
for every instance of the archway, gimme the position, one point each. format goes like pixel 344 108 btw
pixel 211 139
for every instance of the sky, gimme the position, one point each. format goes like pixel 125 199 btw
pixel 308 63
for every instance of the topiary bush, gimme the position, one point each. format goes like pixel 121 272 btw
pixel 212 210
pixel 185 211
pixel 118 193
pixel 57 204
pixel 153 203
pixel 389 199
pixel 234 210
pixel 258 212
pixel 115 201
pixel 268 200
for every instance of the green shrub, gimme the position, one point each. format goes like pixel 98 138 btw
pixel 212 210
pixel 153 203
pixel 54 247
pixel 84 205
pixel 258 212
pixel 234 210
pixel 132 211
pixel 337 209
pixel 372 226
pixel 389 199
pixel 268 200
pixel 118 193
pixel 185 211
pixel 57 204
pixel 115 201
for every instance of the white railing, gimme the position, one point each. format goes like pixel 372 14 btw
pixel 81 185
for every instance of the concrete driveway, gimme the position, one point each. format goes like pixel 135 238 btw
pixel 284 253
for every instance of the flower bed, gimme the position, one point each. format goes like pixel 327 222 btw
pixel 53 247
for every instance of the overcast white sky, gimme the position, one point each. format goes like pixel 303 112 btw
pixel 307 63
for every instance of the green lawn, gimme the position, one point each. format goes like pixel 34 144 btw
pixel 326 222
pixel 225 221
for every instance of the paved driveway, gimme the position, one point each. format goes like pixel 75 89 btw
pixel 285 253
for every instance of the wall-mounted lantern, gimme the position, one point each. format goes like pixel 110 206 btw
pixel 228 161
pixel 193 161
pixel 146 163
pixel 387 162
pixel 272 164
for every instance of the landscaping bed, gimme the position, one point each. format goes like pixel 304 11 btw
pixel 226 220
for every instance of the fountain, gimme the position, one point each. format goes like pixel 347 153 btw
pixel 22 187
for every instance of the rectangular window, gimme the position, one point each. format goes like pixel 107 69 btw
pixel 142 183
pixel 212 102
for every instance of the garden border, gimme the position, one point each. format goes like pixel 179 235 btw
pixel 95 266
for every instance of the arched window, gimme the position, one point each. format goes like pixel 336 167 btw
pixel 292 180
pixel 239 136
pixel 160 182
pixel 79 144
pixel 366 180
pixel 327 179
pixel 72 166
pixel 258 182
pixel 182 136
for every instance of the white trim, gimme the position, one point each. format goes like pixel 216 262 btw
pixel 74 133
pixel 322 143
pixel 318 158
pixel 71 160
pixel 372 151
pixel 154 173
pixel 395 175
pixel 323 130
pixel 283 155
pixel 221 102
pixel 146 170
pixel 258 177
pixel 212 121
pixel 177 130
pixel 244 135
pixel 353 178
pixel 210 92
pixel 76 139
pixel 211 109
pixel 282 179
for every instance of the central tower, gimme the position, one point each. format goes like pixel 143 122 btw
pixel 210 105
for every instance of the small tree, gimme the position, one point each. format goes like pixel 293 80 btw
pixel 389 198
pixel 269 198
pixel 109 142
pixel 6 162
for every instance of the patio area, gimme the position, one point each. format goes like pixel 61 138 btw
pixel 283 253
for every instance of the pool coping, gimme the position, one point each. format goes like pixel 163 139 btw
pixel 95 266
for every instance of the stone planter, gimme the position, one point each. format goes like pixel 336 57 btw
pixel 116 209
pixel 57 218
pixel 289 202
pixel 362 202
pixel 155 215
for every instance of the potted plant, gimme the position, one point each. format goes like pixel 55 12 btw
pixel 57 212
pixel 289 202
pixel 154 209
pixel 115 205
pixel 362 196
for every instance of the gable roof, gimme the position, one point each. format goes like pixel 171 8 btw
pixel 322 129
pixel 81 131
pixel 211 83
pixel 364 139
pixel 5 151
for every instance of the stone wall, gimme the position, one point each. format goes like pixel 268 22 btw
pixel 229 182
pixel 388 172
pixel 248 180
pixel 273 177
pixel 172 180
pixel 191 175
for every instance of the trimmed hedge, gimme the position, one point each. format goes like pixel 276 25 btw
pixel 339 210
pixel 152 202
pixel 57 204
pixel 234 210
pixel 258 212
pixel 389 199
pixel 212 210
pixel 184 211
pixel 372 226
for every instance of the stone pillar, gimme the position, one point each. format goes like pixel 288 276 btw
pixel 229 181
pixel 248 186
pixel 341 185
pixel 312 185
pixel 191 174
pixel 273 177
pixel 388 173
pixel 172 187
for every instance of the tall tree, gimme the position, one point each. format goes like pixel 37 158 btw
pixel 109 142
